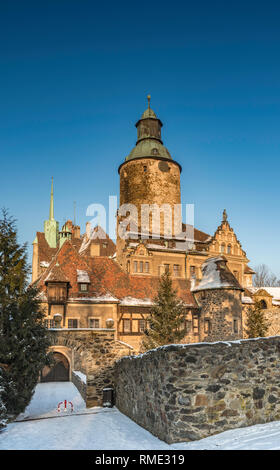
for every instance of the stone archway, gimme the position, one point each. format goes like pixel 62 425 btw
pixel 58 371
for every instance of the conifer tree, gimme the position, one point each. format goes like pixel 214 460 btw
pixel 166 319
pixel 23 339
pixel 257 324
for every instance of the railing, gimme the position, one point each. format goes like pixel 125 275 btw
pixel 57 299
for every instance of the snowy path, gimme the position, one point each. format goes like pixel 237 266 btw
pixel 104 429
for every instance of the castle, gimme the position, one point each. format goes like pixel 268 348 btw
pixel 87 282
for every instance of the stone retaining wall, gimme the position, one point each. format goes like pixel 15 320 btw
pixel 187 392
pixel 93 352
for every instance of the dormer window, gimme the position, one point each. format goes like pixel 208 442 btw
pixel 84 287
pixel 83 280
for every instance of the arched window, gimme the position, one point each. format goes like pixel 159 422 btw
pixel 223 248
pixel 263 304
pixel 229 249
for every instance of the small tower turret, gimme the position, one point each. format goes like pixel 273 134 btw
pixel 64 234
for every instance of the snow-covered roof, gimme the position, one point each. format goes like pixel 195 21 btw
pixel 44 264
pixel 273 291
pixel 247 300
pixel 216 275
pixel 82 276
pixel 127 301
pixel 100 298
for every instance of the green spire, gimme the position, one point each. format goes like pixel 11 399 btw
pixel 51 227
pixel 51 217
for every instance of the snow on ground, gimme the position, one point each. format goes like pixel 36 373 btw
pixel 108 429
pixel 47 396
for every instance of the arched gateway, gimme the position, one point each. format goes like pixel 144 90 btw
pixel 58 371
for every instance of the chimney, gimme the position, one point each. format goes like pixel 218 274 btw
pixel 94 249
pixel 76 231
pixel 88 230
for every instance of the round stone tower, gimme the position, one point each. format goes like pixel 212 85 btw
pixel 149 176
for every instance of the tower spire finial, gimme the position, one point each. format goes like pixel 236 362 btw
pixel 51 216
pixel 149 99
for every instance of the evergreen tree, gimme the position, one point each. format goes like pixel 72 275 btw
pixel 167 316
pixel 257 324
pixel 23 339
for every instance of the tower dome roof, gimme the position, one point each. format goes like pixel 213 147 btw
pixel 149 148
pixel 149 143
pixel 149 113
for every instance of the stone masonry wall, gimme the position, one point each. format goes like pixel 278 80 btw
pixel 187 392
pixel 94 353
pixel 221 307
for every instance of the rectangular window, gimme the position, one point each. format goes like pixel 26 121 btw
pixel 72 323
pixel 135 265
pixel 147 267
pixel 94 323
pixel 235 326
pixel 192 271
pixel 141 325
pixel 126 325
pixel 141 266
pixel 166 268
pixel 195 324
pixel 207 326
pixel 176 270
pixel 83 287
pixel 188 326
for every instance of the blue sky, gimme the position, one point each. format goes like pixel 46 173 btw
pixel 74 80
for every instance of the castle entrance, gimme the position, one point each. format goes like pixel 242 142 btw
pixel 58 372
